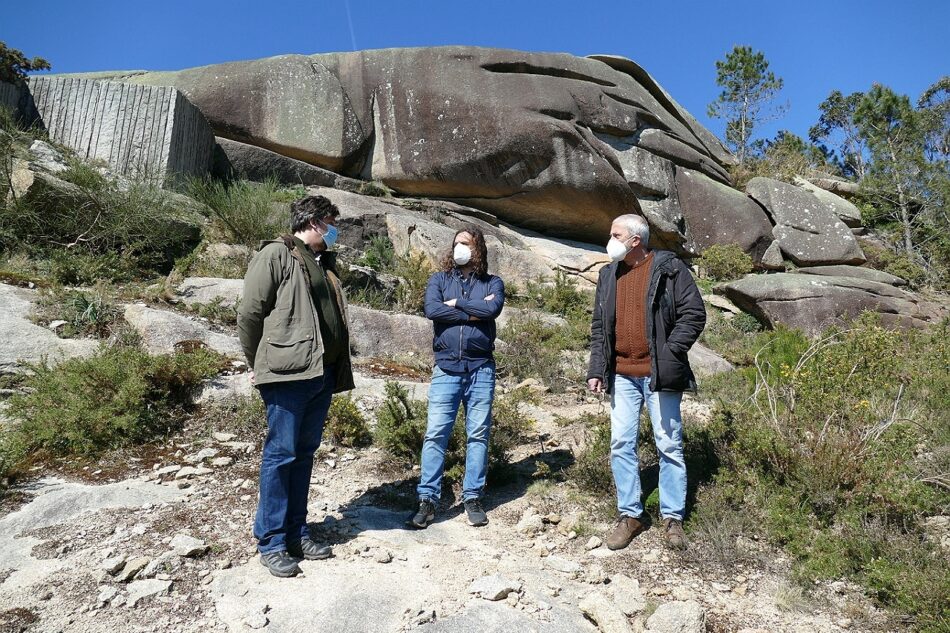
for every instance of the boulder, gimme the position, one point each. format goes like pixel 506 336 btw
pixel 233 159
pixel 812 302
pixel 626 594
pixel 772 259
pixel 607 615
pixel 144 131
pixel 378 333
pixel 678 617
pixel 860 272
pixel 505 131
pixel 162 331
pixel 836 185
pixel 807 229
pixel 22 341
pixel 706 362
pixel 207 290
pixel 718 214
pixel 846 211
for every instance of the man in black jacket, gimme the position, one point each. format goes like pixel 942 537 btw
pixel 647 314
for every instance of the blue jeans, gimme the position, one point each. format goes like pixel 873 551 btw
pixel 627 398
pixel 296 411
pixel 448 390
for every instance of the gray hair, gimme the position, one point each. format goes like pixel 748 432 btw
pixel 635 225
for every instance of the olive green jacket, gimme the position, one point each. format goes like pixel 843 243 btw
pixel 278 323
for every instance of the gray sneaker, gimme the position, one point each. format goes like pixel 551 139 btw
pixel 309 550
pixel 421 519
pixel 280 564
pixel 476 514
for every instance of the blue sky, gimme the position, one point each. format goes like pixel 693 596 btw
pixel 815 46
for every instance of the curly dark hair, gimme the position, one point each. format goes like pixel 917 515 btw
pixel 308 209
pixel 479 251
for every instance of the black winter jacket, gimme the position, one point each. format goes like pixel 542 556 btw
pixel 674 320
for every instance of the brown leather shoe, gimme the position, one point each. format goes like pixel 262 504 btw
pixel 673 533
pixel 627 528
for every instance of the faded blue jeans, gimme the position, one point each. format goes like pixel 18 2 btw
pixel 448 390
pixel 627 398
pixel 296 411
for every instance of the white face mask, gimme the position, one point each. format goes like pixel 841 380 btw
pixel 617 250
pixel 462 254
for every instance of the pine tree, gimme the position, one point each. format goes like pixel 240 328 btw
pixel 748 90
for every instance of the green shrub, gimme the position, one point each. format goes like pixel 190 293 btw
pixel 833 446
pixel 895 263
pixel 99 230
pixel 402 422
pixel 533 348
pixel 346 425
pixel 119 397
pixel 723 262
pixel 241 212
pixel 414 271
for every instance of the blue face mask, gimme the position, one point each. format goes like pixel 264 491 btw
pixel 329 238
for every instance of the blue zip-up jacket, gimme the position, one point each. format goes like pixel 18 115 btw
pixel 461 344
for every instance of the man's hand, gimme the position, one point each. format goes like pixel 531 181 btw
pixel 250 374
pixel 450 303
pixel 489 297
pixel 596 385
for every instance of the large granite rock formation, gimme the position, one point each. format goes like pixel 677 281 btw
pixel 525 135
pixel 549 142
pixel 143 131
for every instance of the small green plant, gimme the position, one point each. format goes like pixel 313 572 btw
pixel 118 397
pixel 591 470
pixel 723 262
pixel 86 313
pixel 216 311
pixel 346 425
pixel 379 254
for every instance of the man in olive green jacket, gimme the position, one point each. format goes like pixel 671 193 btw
pixel 292 326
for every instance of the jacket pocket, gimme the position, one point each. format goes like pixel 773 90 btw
pixel 289 356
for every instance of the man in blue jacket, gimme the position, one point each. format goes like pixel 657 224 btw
pixel 462 301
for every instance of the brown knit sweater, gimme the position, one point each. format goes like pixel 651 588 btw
pixel 633 350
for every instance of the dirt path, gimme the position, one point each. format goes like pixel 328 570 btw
pixel 84 557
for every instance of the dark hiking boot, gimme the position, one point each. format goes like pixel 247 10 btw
pixel 627 528
pixel 424 516
pixel 476 514
pixel 280 564
pixel 309 550
pixel 673 533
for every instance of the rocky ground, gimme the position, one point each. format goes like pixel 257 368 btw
pixel 161 542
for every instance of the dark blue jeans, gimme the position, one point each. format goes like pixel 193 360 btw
pixel 296 412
